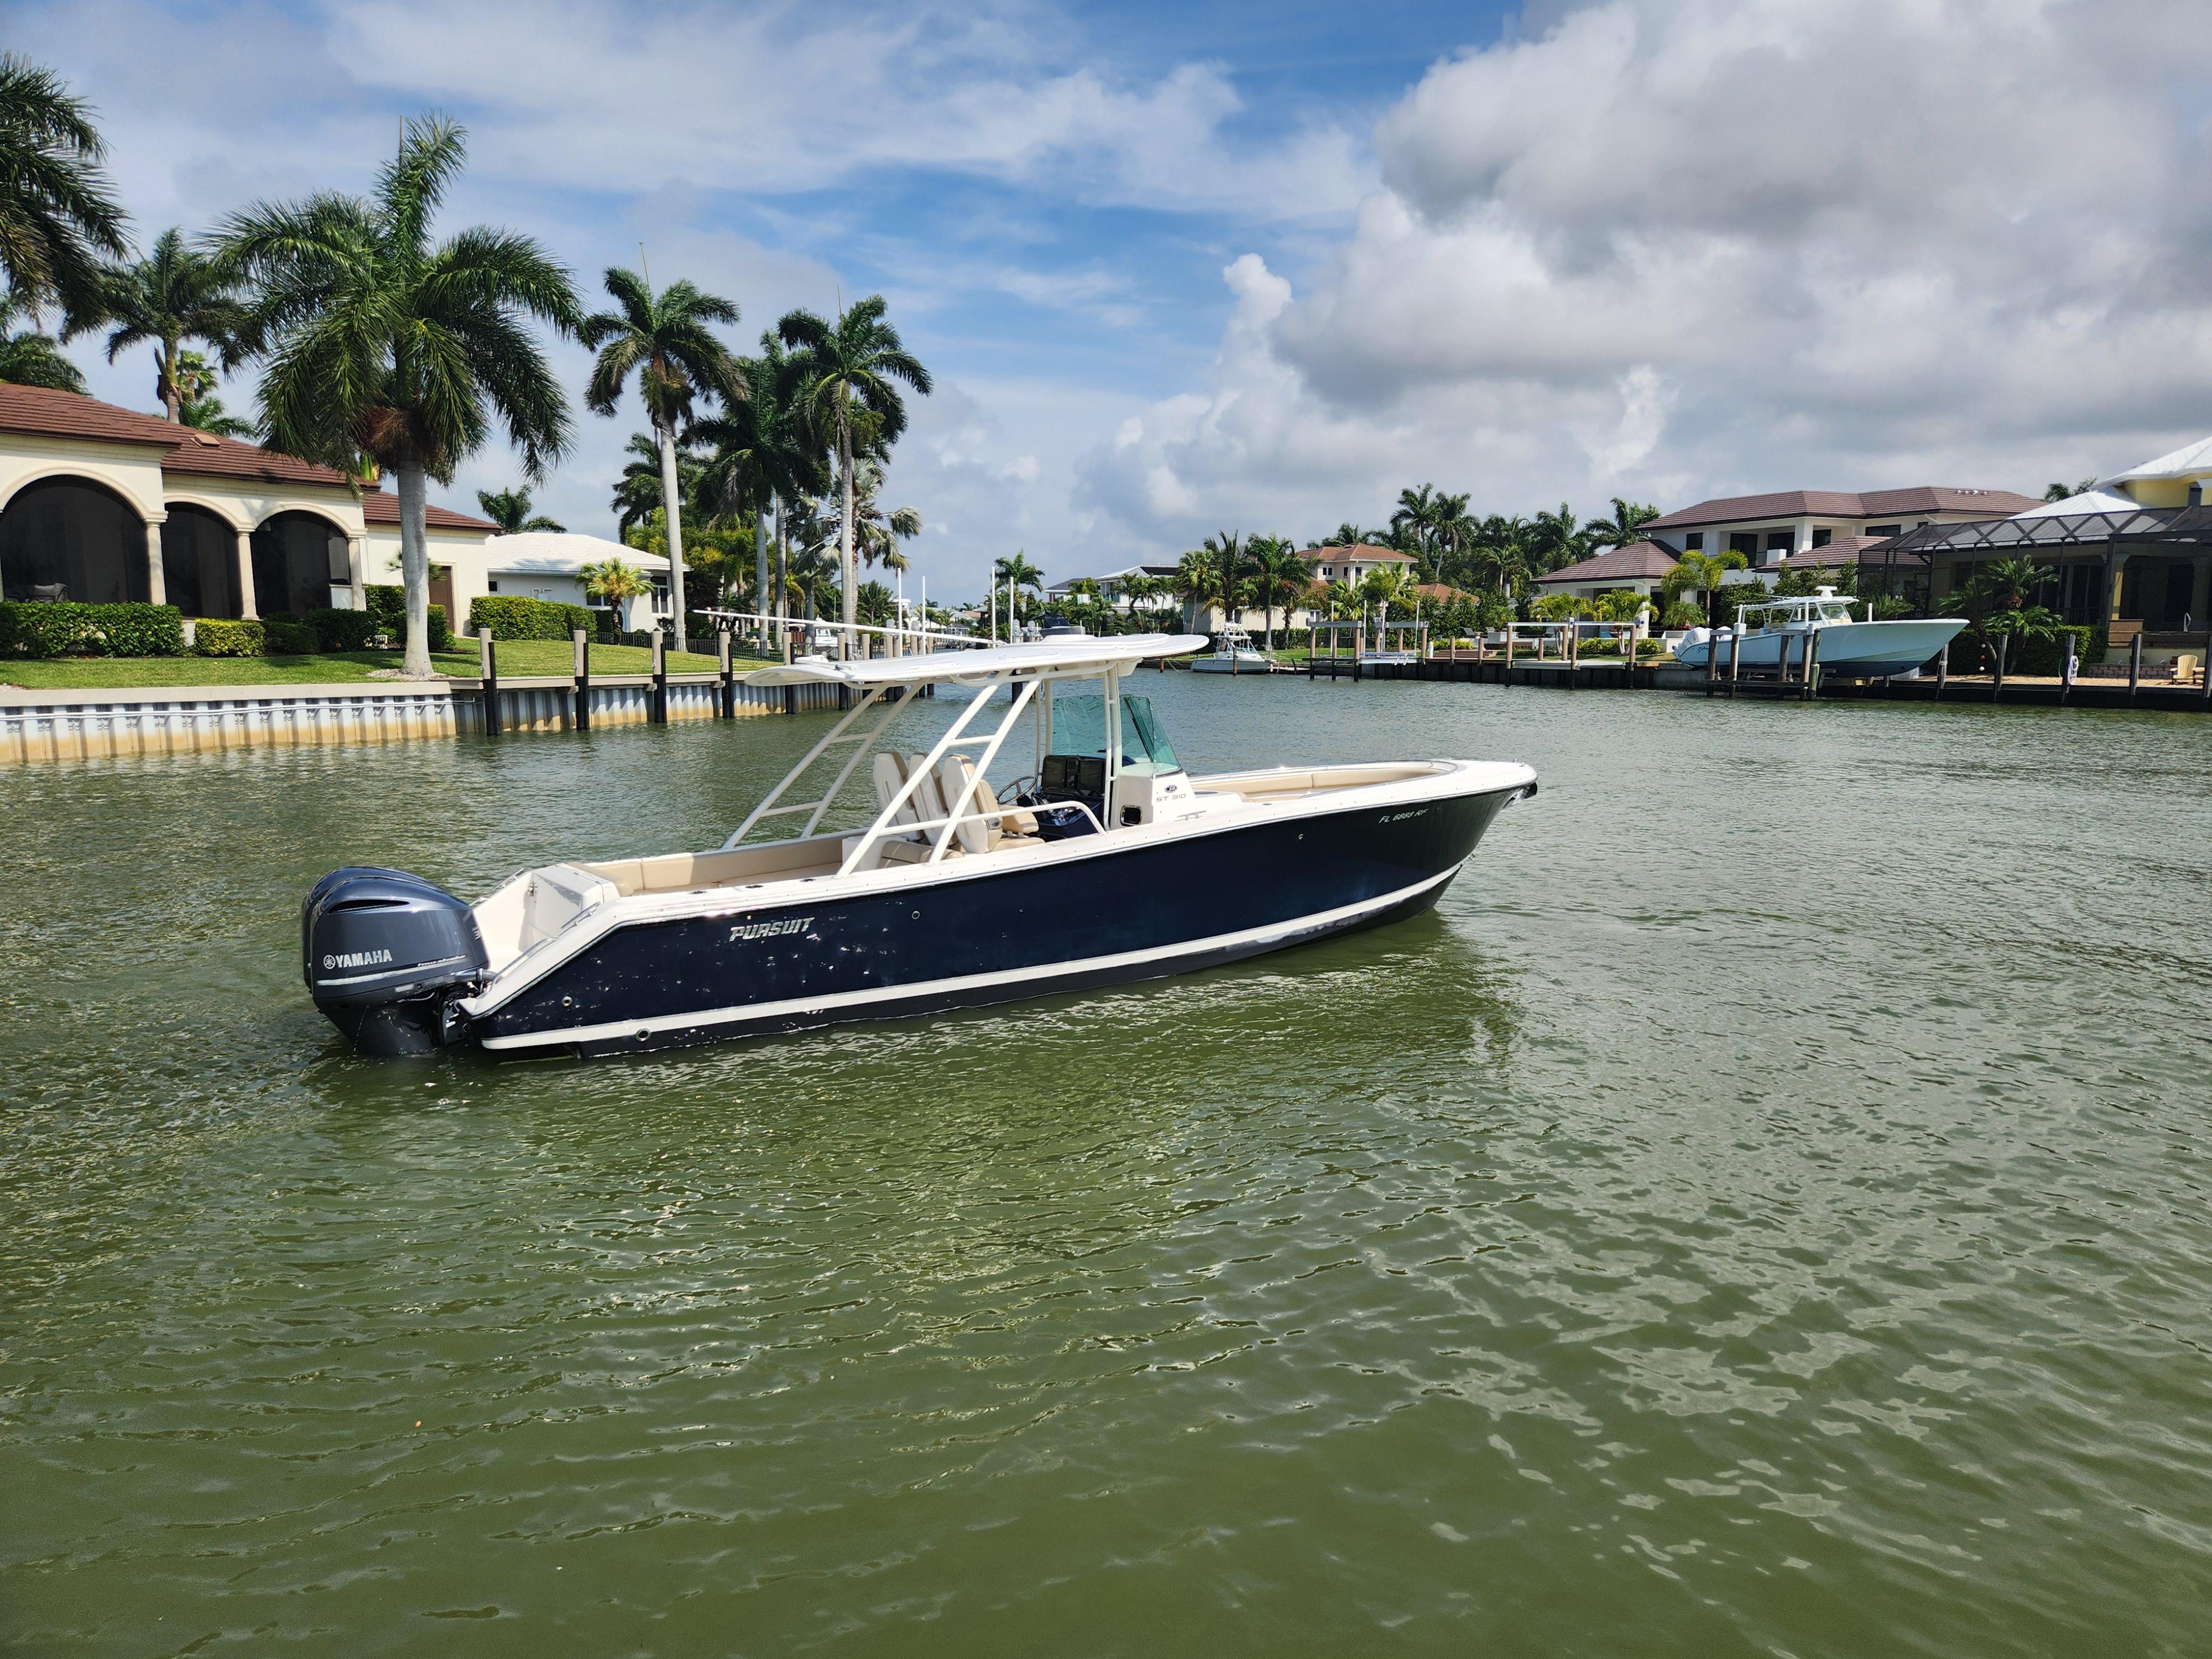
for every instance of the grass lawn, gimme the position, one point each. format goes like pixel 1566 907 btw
pixel 516 658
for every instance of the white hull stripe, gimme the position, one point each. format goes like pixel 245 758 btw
pixel 1039 979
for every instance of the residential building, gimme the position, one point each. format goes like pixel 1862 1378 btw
pixel 548 564
pixel 1768 529
pixel 103 504
pixel 1351 563
pixel 2132 553
pixel 1638 568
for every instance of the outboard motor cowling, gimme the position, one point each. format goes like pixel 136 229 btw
pixel 384 952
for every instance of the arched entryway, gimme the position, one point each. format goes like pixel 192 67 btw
pixel 298 559
pixel 71 539
pixel 200 562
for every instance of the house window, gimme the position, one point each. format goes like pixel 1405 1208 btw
pixel 1694 542
pixel 493 585
pixel 1884 529
pixel 1745 541
pixel 1781 541
pixel 1821 537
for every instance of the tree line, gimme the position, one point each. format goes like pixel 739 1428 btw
pixel 383 348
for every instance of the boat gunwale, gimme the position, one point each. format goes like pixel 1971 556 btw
pixel 1430 781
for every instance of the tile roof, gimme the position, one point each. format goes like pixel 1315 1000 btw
pixel 1636 561
pixel 1847 504
pixel 204 455
pixel 40 412
pixel 379 507
pixel 48 414
pixel 1363 553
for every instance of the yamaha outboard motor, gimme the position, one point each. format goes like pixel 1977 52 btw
pixel 384 953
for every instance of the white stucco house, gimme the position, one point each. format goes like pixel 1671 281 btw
pixel 548 564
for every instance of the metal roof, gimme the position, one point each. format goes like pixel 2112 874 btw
pixel 2184 524
pixel 1052 659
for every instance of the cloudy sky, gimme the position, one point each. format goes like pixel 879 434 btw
pixel 1246 266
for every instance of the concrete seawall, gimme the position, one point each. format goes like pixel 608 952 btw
pixel 49 725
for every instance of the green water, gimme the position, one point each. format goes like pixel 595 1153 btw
pixel 1763 1210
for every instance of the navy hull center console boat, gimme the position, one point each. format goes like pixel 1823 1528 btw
pixel 1107 863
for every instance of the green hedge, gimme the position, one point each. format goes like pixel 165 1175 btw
pixel 221 636
pixel 388 605
pixel 344 630
pixel 90 631
pixel 287 636
pixel 510 617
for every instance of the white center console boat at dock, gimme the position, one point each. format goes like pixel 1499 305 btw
pixel 1233 652
pixel 1767 635
pixel 1111 864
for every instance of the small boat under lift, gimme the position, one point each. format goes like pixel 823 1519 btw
pixel 1768 636
pixel 1107 863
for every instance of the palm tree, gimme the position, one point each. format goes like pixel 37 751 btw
pixel 1015 573
pixel 877 530
pixel 758 463
pixel 29 357
pixel 1698 573
pixel 200 408
pixel 510 510
pixel 1410 520
pixel 58 216
pixel 2062 492
pixel 637 492
pixel 845 389
pixel 1280 577
pixel 1554 541
pixel 174 294
pixel 1500 554
pixel 614 584
pixel 382 345
pixel 1628 518
pixel 663 337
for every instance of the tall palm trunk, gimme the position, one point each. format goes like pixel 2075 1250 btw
pixel 845 573
pixel 165 368
pixel 673 510
pixel 783 564
pixel 760 572
pixel 415 571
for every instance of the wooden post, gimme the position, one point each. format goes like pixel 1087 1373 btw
pixel 729 697
pixel 1997 684
pixel 1712 655
pixel 1509 653
pixel 1942 670
pixel 582 644
pixel 1812 664
pixel 2066 673
pixel 1736 658
pixel 656 706
pixel 1312 644
pixel 488 670
pixel 2135 665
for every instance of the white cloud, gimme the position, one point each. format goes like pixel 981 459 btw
pixel 1705 246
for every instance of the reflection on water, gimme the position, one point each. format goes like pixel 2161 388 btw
pixel 1762 1207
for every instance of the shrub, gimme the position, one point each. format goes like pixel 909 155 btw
pixel 387 604
pixel 91 631
pixel 510 617
pixel 287 636
pixel 343 630
pixel 222 636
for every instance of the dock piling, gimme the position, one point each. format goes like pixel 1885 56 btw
pixel 657 709
pixel 487 672
pixel 580 643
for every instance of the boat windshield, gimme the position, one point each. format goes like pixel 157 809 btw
pixel 1078 727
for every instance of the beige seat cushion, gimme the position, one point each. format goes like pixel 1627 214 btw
pixel 957 783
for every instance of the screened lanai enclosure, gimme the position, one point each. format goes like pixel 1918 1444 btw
pixel 2145 570
pixel 299 565
pixel 67 539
